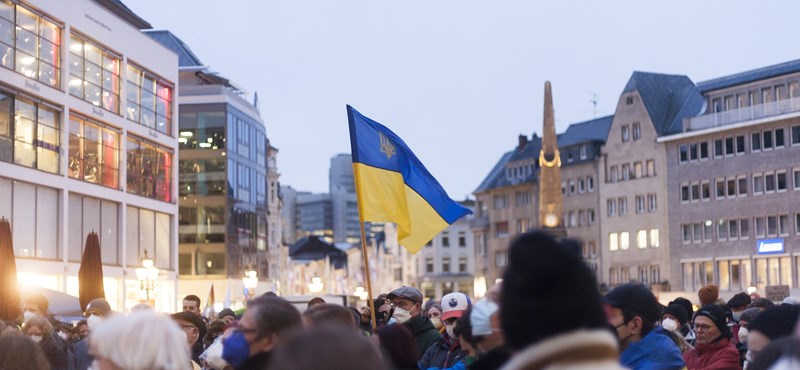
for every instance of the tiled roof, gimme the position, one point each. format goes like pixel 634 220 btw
pixel 763 73
pixel 186 57
pixel 667 98
pixel 593 130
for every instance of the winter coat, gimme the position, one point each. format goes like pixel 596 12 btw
pixel 720 355
pixel 425 334
pixel 82 357
pixel 656 351
pixel 580 349
pixel 445 353
pixel 56 351
pixel 492 360
pixel 259 361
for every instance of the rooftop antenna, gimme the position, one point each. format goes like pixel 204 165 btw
pixel 594 103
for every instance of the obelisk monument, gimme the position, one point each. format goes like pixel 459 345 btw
pixel 550 198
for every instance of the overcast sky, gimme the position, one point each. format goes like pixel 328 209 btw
pixel 458 80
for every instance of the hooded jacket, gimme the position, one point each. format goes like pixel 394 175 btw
pixel 655 351
pixel 425 334
pixel 445 353
pixel 720 355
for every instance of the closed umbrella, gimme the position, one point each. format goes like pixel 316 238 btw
pixel 9 291
pixel 90 274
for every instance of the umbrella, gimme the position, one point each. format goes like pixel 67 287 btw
pixel 9 291
pixel 90 274
pixel 60 304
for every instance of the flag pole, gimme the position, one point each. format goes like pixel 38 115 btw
pixel 364 249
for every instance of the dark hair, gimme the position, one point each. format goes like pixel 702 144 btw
pixel 273 315
pixel 19 352
pixel 315 301
pixel 786 347
pixel 463 328
pixel 39 300
pixel 327 347
pixel 193 298
pixel 398 346
pixel 215 329
pixel 628 315
pixel 322 313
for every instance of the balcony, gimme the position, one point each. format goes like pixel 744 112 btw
pixel 479 222
pixel 782 108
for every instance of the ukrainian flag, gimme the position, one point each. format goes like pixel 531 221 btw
pixel 392 185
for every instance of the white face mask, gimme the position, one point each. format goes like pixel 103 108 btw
pixel 63 335
pixel 36 338
pixel 401 315
pixel 213 355
pixel 669 324
pixel 743 334
pixel 449 329
pixel 28 315
pixel 93 320
pixel 437 322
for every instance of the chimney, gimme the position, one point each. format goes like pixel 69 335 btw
pixel 522 141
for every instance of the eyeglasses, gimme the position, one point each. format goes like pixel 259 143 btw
pixel 702 327
pixel 238 328
pixel 406 305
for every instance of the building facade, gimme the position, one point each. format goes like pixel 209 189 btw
pixel 447 263
pixel 88 142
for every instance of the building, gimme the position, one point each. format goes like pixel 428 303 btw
pixel 225 190
pixel 314 215
pixel 447 263
pixel 346 228
pixel 734 184
pixel 88 142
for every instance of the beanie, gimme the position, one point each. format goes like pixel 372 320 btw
pixel 547 290
pixel 686 304
pixel 739 300
pixel 716 314
pixel 678 312
pixel 708 294
pixel 776 322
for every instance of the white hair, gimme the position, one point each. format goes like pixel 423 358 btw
pixel 144 340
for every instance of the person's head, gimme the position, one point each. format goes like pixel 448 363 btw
pixel 227 315
pixel 326 313
pixel 677 314
pixel 686 304
pixel 547 290
pixel 329 347
pixel 407 303
pixel 739 303
pixel 772 324
pixel 81 329
pixel 34 304
pixel 463 333
pixel 262 326
pixel 485 325
pixel 97 310
pixel 160 343
pixel 192 325
pixel 191 303
pixel 397 344
pixel 453 307
pixel 493 294
pixel 19 352
pixel 780 354
pixel 708 294
pixel 711 324
pixel 433 311
pixel 315 301
pixel 37 327
pixel 213 330
pixel 745 319
pixel 633 310
pixel 762 303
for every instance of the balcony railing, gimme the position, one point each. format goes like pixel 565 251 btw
pixel 759 111
pixel 478 222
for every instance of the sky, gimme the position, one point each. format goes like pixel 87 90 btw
pixel 458 80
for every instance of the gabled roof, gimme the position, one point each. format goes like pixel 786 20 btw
pixel 186 57
pixel 667 98
pixel 312 248
pixel 741 78
pixel 497 176
pixel 122 11
pixel 582 132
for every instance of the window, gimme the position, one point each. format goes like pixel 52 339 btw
pixel 573 219
pixel 29 132
pixel 522 197
pixel 761 229
pixel 695 192
pixel 797 223
pixel 731 188
pixel 697 232
pixel 501 229
pixel 639 204
pixel 758 184
pixel 637 170
pixel 772 226
pixel 31 44
pixel 429 265
pixel 614 174
pixel 705 191
pixel 94 73
pixel 501 259
pixel 744 228
pixel 742 183
pixel 613 242
pixel 796 178
pixel 149 168
pixel 740 144
pixel 795 135
pixel 637 131
pixel 703 150
pixel 628 100
pixel 625 133
pixel 781 180
pixel 783 224
pixel 500 201
pixel 612 207
pixel 693 152
pixel 624 240
pixel 651 202
pixel 93 152
pixel 590 216
pixel 779 140
pixel 683 150
pixel 626 171
pixel 722 230
pixel 445 239
pixel 583 152
pixel 651 167
pixel 767 140
pixel 769 182
pixel 733 229
pixel 571 186
pixel 718 152
pixel 685 197
pixel 590 183
pixel 708 233
pixel 728 146
pixel 720 186
pixel 149 100
pixel 462 264
pixel 641 239
pixel 581 218
pixel 755 142
pixel 654 243
pixel 446 264
pixel 686 231
pixel 462 239
pixel 623 206
pixel 581 185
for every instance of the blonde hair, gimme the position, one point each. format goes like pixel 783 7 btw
pixel 144 340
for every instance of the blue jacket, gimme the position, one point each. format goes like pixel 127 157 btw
pixel 443 354
pixel 656 351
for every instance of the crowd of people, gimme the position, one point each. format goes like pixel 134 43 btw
pixel 546 314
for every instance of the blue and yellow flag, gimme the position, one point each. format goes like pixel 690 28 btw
pixel 393 185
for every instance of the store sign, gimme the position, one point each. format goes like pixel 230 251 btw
pixel 767 246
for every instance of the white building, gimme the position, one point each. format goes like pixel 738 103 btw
pixel 88 123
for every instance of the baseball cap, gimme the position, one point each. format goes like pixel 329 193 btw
pixel 635 297
pixel 406 292
pixel 454 305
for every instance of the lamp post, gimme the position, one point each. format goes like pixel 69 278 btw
pixel 147 276
pixel 361 293
pixel 316 285
pixel 250 281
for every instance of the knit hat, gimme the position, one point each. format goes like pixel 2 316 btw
pixel 547 290
pixel 762 303
pixel 481 317
pixel 776 322
pixel 226 312
pixel 749 315
pixel 99 307
pixel 718 316
pixel 677 311
pixel 739 300
pixel 708 294
pixel 686 304
pixel 635 297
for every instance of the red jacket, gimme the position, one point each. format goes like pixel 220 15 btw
pixel 721 355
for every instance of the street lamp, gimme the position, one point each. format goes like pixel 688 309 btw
pixel 361 293
pixel 250 281
pixel 316 285
pixel 147 276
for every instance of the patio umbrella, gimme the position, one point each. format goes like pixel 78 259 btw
pixel 90 274
pixel 9 291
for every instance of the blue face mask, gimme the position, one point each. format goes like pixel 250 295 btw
pixel 235 349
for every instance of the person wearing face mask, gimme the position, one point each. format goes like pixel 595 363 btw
pixel 433 311
pixel 407 302
pixel 195 329
pixel 96 311
pixel 492 351
pixel 58 351
pixel 447 351
pixel 41 331
pixel 674 320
